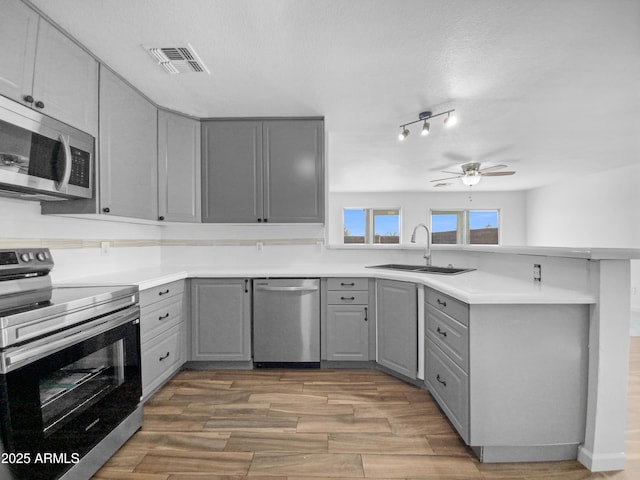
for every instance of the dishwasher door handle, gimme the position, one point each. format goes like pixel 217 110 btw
pixel 285 289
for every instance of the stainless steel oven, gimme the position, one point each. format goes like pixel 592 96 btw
pixel 69 371
pixel 42 158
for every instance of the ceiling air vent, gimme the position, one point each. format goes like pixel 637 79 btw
pixel 177 59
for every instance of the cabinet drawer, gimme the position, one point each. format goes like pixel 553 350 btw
pixel 155 294
pixel 449 385
pixel 348 298
pixel 451 336
pixel 160 358
pixel 159 316
pixel 452 307
pixel 347 284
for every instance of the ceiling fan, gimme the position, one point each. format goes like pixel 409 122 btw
pixel 472 173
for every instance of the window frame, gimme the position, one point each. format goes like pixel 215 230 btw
pixel 369 225
pixel 463 229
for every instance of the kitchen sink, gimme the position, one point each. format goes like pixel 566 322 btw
pixel 424 268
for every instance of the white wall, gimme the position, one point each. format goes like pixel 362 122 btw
pixel 416 206
pixel 75 242
pixel 598 210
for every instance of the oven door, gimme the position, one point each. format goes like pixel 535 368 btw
pixel 56 406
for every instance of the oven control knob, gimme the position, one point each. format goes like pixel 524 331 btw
pixel 25 257
pixel 41 256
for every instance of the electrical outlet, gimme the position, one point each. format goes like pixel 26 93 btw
pixel 537 272
pixel 104 248
pixel 259 246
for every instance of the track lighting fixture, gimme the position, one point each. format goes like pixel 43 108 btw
pixel 449 121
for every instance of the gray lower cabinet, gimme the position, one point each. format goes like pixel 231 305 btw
pixel 221 320
pixel 397 326
pixel 256 171
pixel 347 319
pixel 178 168
pixel 162 334
pixel 512 379
pixel 447 357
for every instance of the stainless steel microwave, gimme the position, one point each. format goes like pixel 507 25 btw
pixel 42 158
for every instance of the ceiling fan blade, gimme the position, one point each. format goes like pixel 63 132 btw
pixel 493 167
pixel 448 178
pixel 496 174
pixel 452 173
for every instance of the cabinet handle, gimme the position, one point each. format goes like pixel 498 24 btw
pixel 163 293
pixel 440 302
pixel 28 98
pixel 106 209
pixel 164 357
pixel 246 285
pixel 39 104
pixel 347 284
pixel 162 317
pixel 265 220
pixel 350 299
pixel 437 378
pixel 441 332
pixel 161 218
pixel 366 314
pixel 259 220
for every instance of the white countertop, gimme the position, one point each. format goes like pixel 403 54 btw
pixel 474 287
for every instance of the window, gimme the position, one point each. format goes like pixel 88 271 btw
pixel 371 225
pixel 470 227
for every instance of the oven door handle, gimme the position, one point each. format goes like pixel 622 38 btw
pixel 12 360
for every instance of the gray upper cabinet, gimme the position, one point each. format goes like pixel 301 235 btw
pixel 263 171
pixel 221 320
pixel 397 315
pixel 128 151
pixel 178 168
pixel 293 171
pixel 42 68
pixel 231 171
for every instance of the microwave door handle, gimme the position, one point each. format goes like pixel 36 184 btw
pixel 62 184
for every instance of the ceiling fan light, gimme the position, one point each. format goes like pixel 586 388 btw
pixel 450 121
pixel 470 180
pixel 425 129
pixel 403 134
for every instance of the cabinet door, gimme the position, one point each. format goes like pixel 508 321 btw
pixel 232 171
pixel 128 151
pixel 178 168
pixel 294 174
pixel 65 82
pixel 18 34
pixel 397 319
pixel 221 312
pixel 347 333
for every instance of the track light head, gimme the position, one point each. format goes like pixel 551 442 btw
pixel 450 121
pixel 404 133
pixel 425 129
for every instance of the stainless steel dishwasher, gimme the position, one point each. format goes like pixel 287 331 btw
pixel 286 323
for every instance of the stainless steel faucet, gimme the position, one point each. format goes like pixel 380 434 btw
pixel 427 248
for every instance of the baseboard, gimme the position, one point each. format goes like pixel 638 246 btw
pixel 602 463
pixel 528 453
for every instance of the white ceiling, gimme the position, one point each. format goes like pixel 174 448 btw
pixel 549 87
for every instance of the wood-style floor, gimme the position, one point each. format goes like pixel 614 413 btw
pixel 304 425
